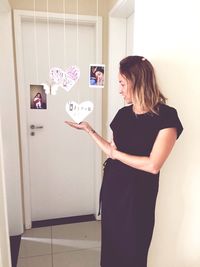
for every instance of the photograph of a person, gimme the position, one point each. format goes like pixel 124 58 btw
pixel 96 75
pixel 38 99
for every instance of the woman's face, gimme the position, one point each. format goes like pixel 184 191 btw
pixel 125 90
pixel 99 75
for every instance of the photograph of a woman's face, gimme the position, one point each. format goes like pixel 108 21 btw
pixel 96 75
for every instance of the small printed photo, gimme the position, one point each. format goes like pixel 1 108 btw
pixel 38 98
pixel 96 75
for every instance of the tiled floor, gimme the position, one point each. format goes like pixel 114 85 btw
pixel 69 245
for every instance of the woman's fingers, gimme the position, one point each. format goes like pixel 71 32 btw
pixel 81 126
pixel 74 124
pixel 113 148
pixel 113 144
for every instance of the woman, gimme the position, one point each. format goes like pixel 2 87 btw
pixel 144 134
pixel 99 74
pixel 37 100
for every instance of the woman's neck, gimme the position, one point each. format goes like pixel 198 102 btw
pixel 137 109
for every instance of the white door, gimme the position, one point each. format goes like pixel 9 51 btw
pixel 63 162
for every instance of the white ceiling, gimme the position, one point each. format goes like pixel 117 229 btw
pixel 123 8
pixel 4 6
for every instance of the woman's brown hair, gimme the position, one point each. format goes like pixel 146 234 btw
pixel 141 75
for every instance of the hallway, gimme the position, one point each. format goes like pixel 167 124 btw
pixel 71 245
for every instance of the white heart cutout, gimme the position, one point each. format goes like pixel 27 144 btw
pixel 78 112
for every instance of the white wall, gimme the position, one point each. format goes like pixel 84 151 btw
pixel 9 123
pixel 5 259
pixel 167 33
pixel 129 34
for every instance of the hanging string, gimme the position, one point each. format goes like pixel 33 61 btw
pixel 64 31
pixel 35 44
pixel 77 42
pixel 97 31
pixel 77 32
pixel 48 35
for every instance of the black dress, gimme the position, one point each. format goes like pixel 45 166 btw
pixel 128 195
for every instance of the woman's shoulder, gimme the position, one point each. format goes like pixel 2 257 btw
pixel 166 109
pixel 169 118
pixel 125 109
pixel 163 109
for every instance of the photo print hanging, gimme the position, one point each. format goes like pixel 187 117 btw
pixel 96 75
pixel 38 97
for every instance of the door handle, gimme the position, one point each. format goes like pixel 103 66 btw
pixel 32 126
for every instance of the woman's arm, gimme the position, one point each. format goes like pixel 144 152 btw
pixel 161 149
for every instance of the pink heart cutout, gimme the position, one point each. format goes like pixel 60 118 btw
pixel 65 79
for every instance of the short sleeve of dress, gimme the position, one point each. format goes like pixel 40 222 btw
pixel 169 119
pixel 115 122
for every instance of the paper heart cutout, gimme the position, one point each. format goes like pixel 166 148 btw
pixel 65 79
pixel 78 112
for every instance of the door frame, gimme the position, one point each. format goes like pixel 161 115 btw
pixel 19 16
pixel 5 253
pixel 117 49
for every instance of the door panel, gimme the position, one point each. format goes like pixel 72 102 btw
pixel 61 159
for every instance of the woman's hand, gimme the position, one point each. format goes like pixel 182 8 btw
pixel 80 126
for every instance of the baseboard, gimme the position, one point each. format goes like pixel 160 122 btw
pixel 14 248
pixel 66 220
